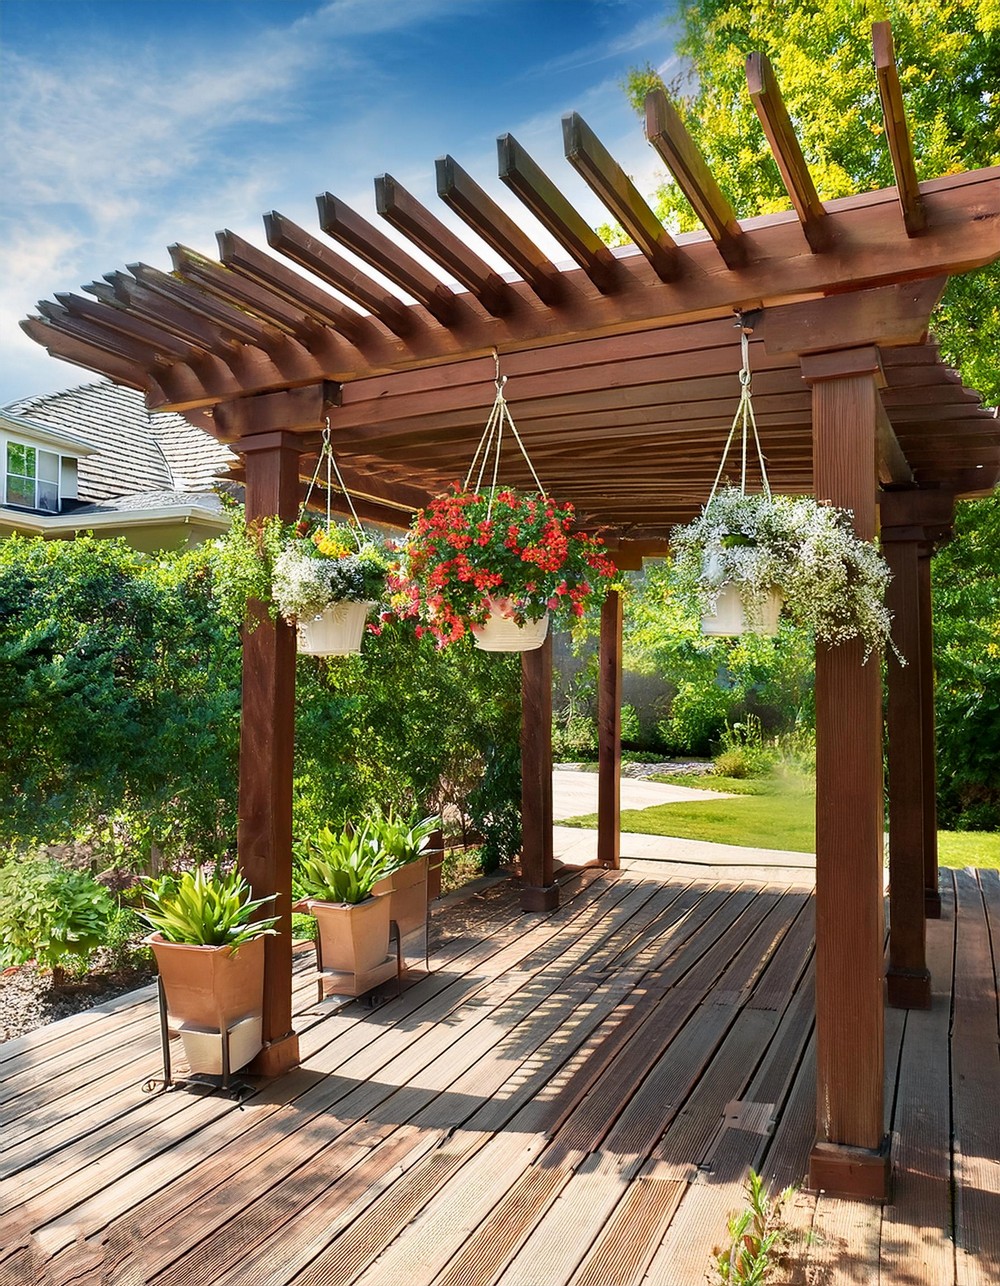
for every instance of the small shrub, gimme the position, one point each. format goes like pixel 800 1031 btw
pixel 123 940
pixel 49 913
pixel 755 1238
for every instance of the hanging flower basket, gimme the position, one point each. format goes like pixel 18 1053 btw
pixel 469 553
pixel 325 582
pixel 830 580
pixel 731 616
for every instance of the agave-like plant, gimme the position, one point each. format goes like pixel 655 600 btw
pixel 204 911
pixel 402 839
pixel 341 866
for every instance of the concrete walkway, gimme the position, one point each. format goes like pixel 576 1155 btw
pixel 575 793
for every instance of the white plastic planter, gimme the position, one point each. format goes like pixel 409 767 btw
pixel 502 634
pixel 730 617
pixel 336 632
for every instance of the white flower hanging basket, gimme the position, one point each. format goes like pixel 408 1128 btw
pixel 338 631
pixel 502 634
pixel 730 616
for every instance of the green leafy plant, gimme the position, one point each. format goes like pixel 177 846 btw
pixel 340 866
pixel 200 910
pixel 755 1237
pixel 832 582
pixel 48 912
pixel 401 839
pixel 468 551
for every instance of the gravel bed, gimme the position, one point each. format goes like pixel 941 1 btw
pixel 28 999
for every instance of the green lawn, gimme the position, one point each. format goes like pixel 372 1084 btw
pixel 770 818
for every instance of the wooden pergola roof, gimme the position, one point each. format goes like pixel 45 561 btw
pixel 622 367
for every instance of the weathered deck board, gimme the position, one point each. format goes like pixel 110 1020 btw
pixel 916 1226
pixel 975 1073
pixel 567 1099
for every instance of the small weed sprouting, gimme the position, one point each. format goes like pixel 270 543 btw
pixel 755 1237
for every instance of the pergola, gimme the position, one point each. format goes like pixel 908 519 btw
pixel 622 382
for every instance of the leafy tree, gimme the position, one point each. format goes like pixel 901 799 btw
pixel 948 55
pixel 120 701
pixel 966 580
pixel 116 696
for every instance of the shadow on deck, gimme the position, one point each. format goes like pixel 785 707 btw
pixel 567 1098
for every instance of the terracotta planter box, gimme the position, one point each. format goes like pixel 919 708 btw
pixel 407 892
pixel 353 944
pixel 210 990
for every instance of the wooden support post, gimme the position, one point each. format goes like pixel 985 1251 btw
pixel 609 733
pixel 908 978
pixel 850 1156
pixel 267 739
pixel 932 893
pixel 539 891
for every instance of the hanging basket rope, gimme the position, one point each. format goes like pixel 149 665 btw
pixel 491 442
pixel 327 456
pixel 746 422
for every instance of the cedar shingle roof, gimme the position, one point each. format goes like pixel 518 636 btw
pixel 139 452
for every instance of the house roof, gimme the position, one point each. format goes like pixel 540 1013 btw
pixel 137 452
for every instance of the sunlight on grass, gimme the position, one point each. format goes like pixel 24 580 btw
pixel 769 815
pixel 969 848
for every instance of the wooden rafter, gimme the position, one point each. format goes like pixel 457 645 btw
pixel 666 131
pixel 784 144
pixel 240 292
pixel 896 132
pixel 338 220
pixel 534 187
pixel 463 194
pixel 239 325
pixel 324 262
pixel 606 178
pixel 425 230
pixel 318 304
pixel 163 342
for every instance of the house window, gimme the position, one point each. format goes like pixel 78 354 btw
pixel 32 478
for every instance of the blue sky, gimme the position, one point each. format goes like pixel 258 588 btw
pixel 126 125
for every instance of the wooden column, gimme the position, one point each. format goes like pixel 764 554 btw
pixel 932 893
pixel 539 890
pixel 908 978
pixel 261 430
pixel 609 733
pixel 850 1156
pixel 267 740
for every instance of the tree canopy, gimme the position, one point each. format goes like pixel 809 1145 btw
pixel 948 56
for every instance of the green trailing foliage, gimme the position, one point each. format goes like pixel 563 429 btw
pixel 201 910
pixel 49 913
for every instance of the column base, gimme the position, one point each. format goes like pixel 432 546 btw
pixel 857 1173
pixel 277 1057
pixel 932 904
pixel 534 898
pixel 908 988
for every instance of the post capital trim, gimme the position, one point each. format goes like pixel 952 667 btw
pixel 843 363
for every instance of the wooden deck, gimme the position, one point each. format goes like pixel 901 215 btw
pixel 566 1098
